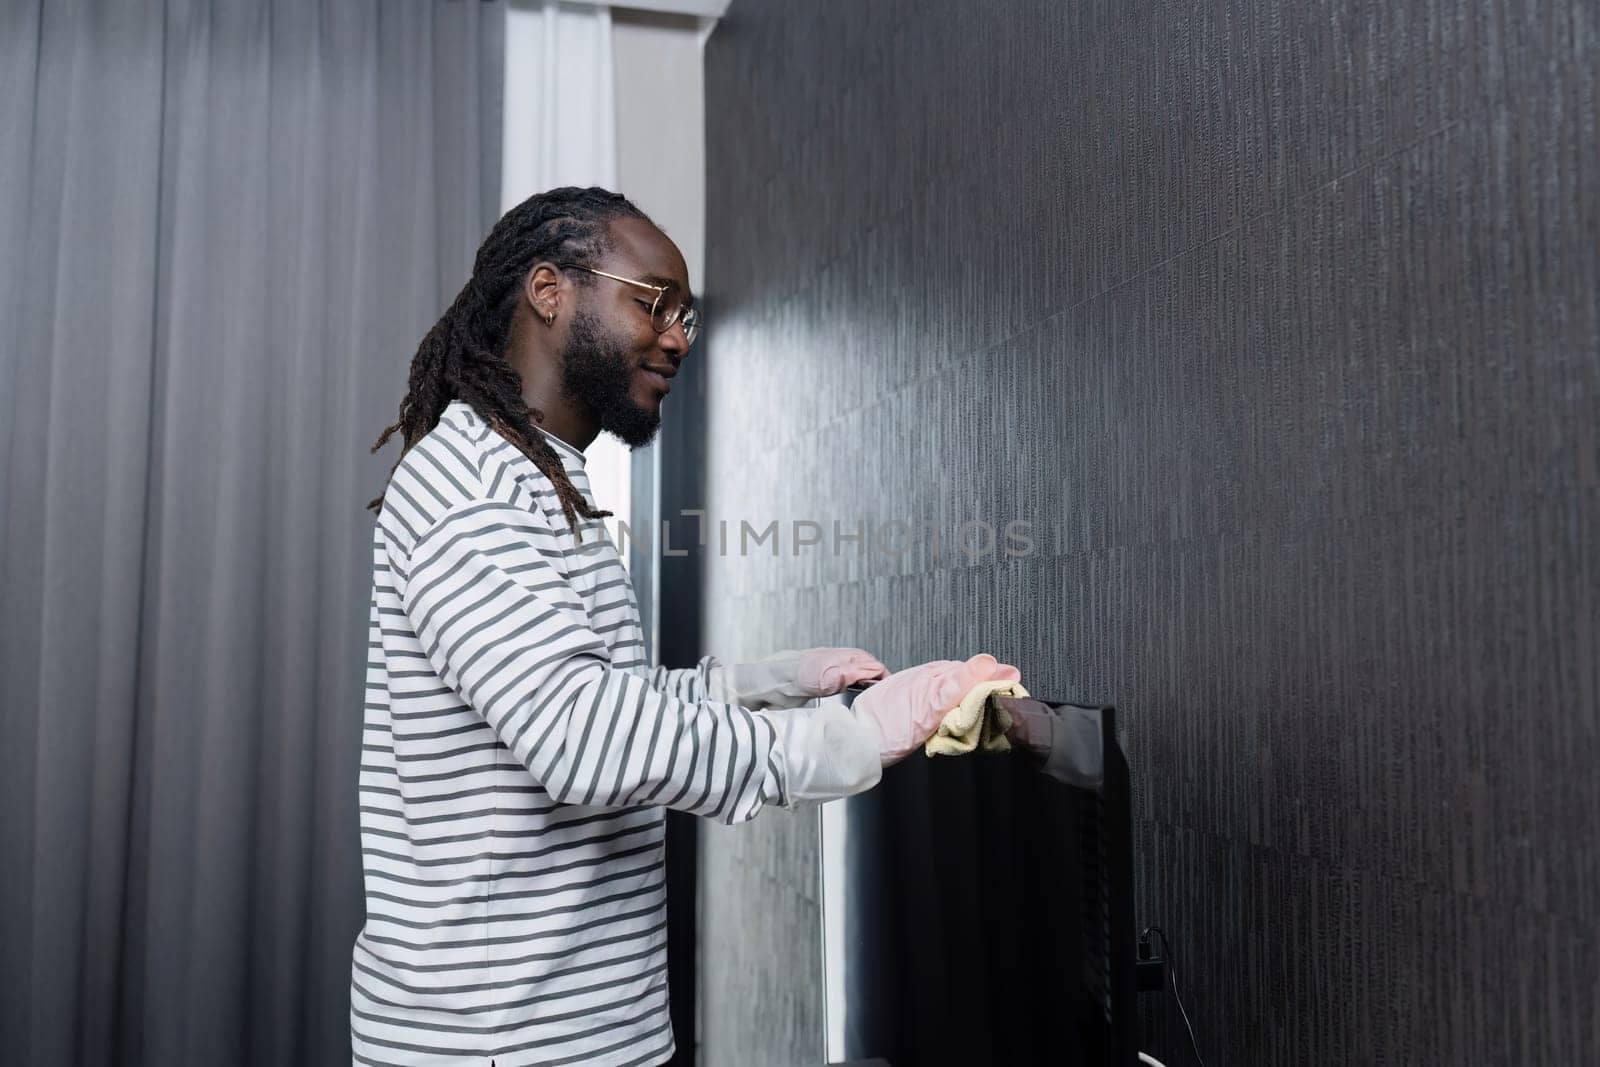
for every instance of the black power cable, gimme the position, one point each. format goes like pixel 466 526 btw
pixel 1172 972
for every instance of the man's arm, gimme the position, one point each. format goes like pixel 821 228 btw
pixel 706 680
pixel 497 621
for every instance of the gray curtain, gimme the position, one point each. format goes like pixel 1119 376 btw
pixel 224 227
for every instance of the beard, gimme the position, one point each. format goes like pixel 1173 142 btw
pixel 597 373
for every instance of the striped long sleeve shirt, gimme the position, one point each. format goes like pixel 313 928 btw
pixel 518 752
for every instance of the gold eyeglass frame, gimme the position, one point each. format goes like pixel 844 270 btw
pixel 689 314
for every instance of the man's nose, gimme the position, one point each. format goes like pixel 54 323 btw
pixel 675 341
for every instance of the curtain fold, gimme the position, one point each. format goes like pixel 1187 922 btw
pixel 224 228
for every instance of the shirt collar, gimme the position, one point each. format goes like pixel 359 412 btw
pixel 571 458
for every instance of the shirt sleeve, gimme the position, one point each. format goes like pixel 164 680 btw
pixel 503 628
pixel 706 680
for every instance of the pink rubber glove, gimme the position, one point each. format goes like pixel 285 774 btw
pixel 907 706
pixel 790 678
pixel 825 671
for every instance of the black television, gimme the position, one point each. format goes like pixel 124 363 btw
pixel 979 909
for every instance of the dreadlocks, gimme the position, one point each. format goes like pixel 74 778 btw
pixel 463 356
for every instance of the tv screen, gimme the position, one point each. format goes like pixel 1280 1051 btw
pixel 978 908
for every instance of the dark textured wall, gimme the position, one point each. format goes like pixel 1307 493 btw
pixel 1281 320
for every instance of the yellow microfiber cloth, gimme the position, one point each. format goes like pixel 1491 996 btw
pixel 975 723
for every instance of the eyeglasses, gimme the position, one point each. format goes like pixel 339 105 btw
pixel 669 306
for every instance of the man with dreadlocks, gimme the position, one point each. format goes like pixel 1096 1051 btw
pixel 518 749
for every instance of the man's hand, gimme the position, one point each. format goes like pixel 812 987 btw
pixel 907 708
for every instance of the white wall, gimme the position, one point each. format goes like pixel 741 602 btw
pixel 661 150
pixel 660 103
pixel 610 97
pixel 560 129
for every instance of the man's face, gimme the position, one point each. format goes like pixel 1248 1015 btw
pixel 613 361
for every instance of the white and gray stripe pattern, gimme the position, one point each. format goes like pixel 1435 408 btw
pixel 518 752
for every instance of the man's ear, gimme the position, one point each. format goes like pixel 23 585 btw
pixel 542 289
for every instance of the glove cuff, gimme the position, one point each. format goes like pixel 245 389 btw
pixel 766 683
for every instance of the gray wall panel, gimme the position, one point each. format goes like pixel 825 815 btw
pixel 1279 322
